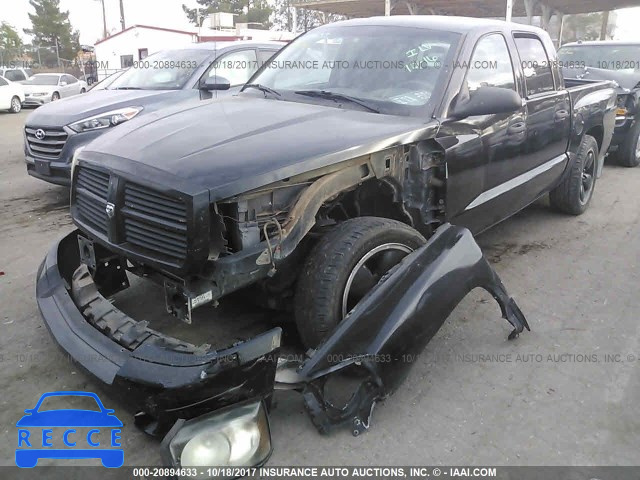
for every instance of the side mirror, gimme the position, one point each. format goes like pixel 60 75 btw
pixel 486 101
pixel 215 83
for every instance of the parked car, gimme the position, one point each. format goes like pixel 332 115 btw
pixel 48 87
pixel 586 62
pixel 16 74
pixel 11 95
pixel 160 80
pixel 345 190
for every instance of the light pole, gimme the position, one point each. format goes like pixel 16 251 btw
pixel 104 20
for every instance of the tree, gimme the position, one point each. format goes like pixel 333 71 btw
pixel 283 15
pixel 256 11
pixel 309 19
pixel 10 43
pixel 584 26
pixel 50 26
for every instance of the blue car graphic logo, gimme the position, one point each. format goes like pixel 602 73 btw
pixel 36 444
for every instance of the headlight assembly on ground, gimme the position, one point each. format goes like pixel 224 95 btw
pixel 105 120
pixel 234 437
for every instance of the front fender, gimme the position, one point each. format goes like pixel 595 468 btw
pixel 396 321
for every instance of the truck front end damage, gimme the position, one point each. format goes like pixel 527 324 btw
pixel 202 396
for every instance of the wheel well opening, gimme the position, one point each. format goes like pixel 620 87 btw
pixel 373 198
pixel 597 133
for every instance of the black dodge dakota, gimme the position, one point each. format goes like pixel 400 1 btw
pixel 343 185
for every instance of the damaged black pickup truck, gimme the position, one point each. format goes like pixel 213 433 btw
pixel 343 185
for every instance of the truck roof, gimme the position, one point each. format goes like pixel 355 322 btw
pixel 441 22
pixel 607 43
pixel 229 43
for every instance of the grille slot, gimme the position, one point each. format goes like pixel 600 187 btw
pixel 91 190
pixel 155 222
pixel 50 145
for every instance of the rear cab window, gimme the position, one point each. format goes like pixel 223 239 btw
pixel 538 76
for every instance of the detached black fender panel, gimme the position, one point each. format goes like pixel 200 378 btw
pixel 396 321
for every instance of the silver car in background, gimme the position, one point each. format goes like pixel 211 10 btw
pixel 48 87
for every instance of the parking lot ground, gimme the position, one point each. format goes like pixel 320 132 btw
pixel 567 393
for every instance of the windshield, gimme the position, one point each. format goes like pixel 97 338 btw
pixel 43 80
pixel 165 70
pixel 105 84
pixel 393 69
pixel 606 56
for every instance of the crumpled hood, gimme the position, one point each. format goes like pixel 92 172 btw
pixel 243 142
pixel 77 107
pixel 626 80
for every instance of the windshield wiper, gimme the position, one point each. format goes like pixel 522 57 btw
pixel 262 88
pixel 127 88
pixel 336 96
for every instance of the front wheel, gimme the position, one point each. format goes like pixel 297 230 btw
pixel 629 153
pixel 574 194
pixel 16 105
pixel 343 267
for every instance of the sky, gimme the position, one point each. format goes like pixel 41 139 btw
pixel 86 16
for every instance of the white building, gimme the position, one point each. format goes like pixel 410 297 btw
pixel 135 43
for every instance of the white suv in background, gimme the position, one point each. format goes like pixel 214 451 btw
pixel 15 74
pixel 11 95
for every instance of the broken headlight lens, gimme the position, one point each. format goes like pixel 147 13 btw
pixel 235 437
pixel 105 120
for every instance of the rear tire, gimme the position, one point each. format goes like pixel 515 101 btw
pixel 628 154
pixel 82 90
pixel 16 105
pixel 344 265
pixel 575 192
pixel 55 96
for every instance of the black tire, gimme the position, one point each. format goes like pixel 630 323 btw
pixel 628 155
pixel 575 192
pixel 55 96
pixel 16 105
pixel 322 283
pixel 82 90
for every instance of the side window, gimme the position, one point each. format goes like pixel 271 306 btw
pixel 3 82
pixel 14 75
pixel 126 61
pixel 236 67
pixel 491 65
pixel 264 56
pixel 71 79
pixel 535 65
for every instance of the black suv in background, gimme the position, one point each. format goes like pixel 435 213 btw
pixel 620 62
pixel 55 131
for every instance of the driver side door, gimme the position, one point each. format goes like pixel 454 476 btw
pixel 488 149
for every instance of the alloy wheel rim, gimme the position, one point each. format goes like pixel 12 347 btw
pixel 638 147
pixel 16 105
pixel 588 177
pixel 369 270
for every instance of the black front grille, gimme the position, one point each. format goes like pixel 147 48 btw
pixel 147 223
pixel 50 143
pixel 155 222
pixel 91 190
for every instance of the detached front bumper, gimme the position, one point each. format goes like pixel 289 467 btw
pixel 162 378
